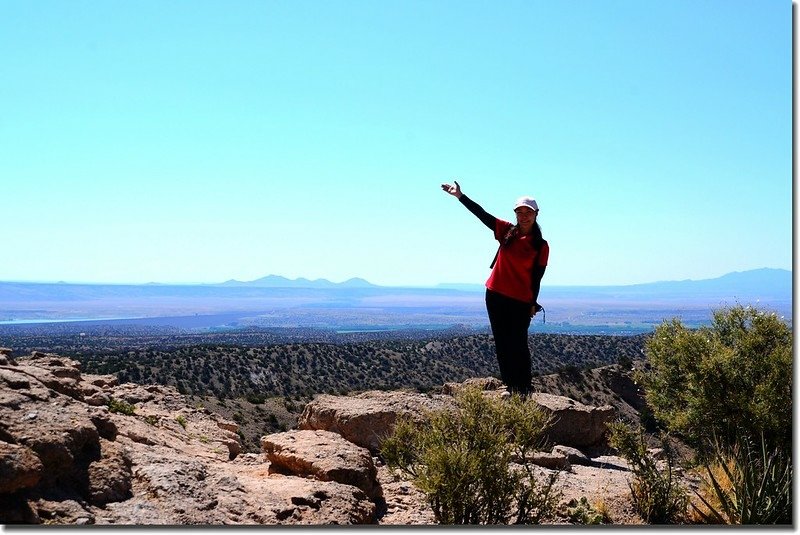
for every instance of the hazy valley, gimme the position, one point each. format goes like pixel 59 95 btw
pixel 278 303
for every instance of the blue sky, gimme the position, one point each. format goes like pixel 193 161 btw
pixel 200 141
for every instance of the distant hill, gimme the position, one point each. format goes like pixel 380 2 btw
pixel 766 282
pixel 276 281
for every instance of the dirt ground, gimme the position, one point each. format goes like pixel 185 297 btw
pixel 605 486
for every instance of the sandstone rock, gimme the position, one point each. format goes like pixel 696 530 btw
pixel 573 423
pixel 573 455
pixel 145 468
pixel 133 393
pixel 405 504
pixel 103 382
pixel 60 366
pixel 227 425
pixel 96 398
pixel 553 461
pixel 60 436
pixel 293 500
pixel 18 389
pixel 20 468
pixel 321 506
pixel 483 383
pixel 67 511
pixel 105 468
pixel 110 476
pixel 324 455
pixel 57 373
pixel 368 418
pixel 5 357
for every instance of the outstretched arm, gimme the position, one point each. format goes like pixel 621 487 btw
pixel 455 190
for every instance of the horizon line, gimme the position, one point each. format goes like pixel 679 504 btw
pixel 425 286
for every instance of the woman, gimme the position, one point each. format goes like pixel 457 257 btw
pixel 513 286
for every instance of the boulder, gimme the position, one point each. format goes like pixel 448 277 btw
pixel 110 476
pixel 573 423
pixel 5 357
pixel 323 455
pixel 61 433
pixel 367 419
pixel 60 374
pixel 101 381
pixel 573 455
pixel 553 461
pixel 280 499
pixel 482 383
pixel 20 468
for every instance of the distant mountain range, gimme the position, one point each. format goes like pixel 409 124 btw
pixel 776 282
pixel 276 300
pixel 765 281
pixel 276 281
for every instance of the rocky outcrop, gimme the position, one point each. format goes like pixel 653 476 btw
pixel 486 384
pixel 20 468
pixel 573 423
pixel 323 455
pixel 573 455
pixel 83 449
pixel 367 419
pixel 553 461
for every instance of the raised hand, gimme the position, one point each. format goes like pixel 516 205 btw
pixel 455 190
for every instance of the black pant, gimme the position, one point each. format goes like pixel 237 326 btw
pixel 510 320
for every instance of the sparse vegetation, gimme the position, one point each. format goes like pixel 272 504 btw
pixel 181 419
pixel 281 377
pixel 582 512
pixel 196 365
pixel 657 495
pixel 151 419
pixel 461 459
pixel 121 407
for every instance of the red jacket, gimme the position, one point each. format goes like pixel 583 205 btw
pixel 519 267
pixel 513 273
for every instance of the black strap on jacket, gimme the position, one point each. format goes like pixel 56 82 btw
pixel 510 235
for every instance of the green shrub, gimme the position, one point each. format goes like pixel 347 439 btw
pixel 581 512
pixel 657 495
pixel 746 484
pixel 121 407
pixel 181 419
pixel 256 399
pixel 461 459
pixel 151 419
pixel 714 381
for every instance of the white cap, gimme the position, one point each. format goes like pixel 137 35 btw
pixel 530 202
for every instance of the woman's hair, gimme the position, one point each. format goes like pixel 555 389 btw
pixel 536 234
pixel 538 240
